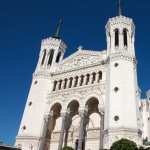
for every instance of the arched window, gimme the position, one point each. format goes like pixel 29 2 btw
pixel 65 84
pixel 87 79
pixel 82 79
pixel 58 57
pixel 54 87
pixel 51 54
pixel 60 83
pixel 76 81
pixel 125 37
pixel 99 76
pixel 94 77
pixel 70 82
pixel 44 55
pixel 116 37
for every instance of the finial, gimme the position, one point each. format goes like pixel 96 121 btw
pixel 80 47
pixel 56 35
pixel 119 8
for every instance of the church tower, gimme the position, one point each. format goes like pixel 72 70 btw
pixel 31 132
pixel 121 110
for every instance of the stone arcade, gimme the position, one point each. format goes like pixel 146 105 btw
pixel 89 99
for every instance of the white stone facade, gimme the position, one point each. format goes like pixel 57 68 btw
pixel 89 99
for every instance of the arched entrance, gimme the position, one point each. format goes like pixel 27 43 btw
pixel 72 130
pixel 95 125
pixel 53 127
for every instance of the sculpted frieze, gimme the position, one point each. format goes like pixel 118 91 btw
pixel 81 59
pixel 79 94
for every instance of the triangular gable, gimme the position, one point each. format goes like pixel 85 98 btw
pixel 80 59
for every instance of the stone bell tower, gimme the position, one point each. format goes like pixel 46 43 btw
pixel 121 110
pixel 31 132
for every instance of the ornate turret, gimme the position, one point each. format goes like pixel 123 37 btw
pixel 51 54
pixel 121 82
pixel 52 51
pixel 120 32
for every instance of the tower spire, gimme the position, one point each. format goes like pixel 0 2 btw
pixel 56 34
pixel 120 7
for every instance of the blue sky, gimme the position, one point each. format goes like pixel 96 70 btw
pixel 24 23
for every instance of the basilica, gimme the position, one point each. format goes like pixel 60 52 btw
pixel 89 99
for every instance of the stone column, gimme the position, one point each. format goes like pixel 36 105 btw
pixel 84 80
pixel 73 82
pixel 97 77
pixel 61 138
pixel 62 84
pixel 121 43
pixel 79 81
pixel 67 130
pixel 129 41
pixel 67 84
pixel 46 131
pixel 67 126
pixel 56 88
pixel 82 129
pixel 90 78
pixel 101 131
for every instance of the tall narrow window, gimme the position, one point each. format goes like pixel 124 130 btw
pixel 51 54
pixel 44 55
pixel 125 37
pixel 60 83
pixel 99 76
pixel 58 57
pixel 65 84
pixel 70 82
pixel 116 37
pixel 54 87
pixel 76 81
pixel 82 79
pixel 93 77
pixel 87 79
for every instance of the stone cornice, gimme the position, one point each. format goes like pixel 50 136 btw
pixel 102 63
pixel 124 56
pixel 26 137
pixel 121 129
pixel 119 20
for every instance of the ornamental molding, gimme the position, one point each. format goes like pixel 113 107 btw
pixel 119 20
pixel 42 74
pixel 20 137
pixel 81 59
pixel 123 56
pixel 81 94
pixel 79 72
pixel 120 130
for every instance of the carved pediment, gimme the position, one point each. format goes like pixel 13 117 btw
pixel 81 59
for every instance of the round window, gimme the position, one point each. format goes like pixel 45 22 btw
pixel 24 127
pixel 116 118
pixel 116 64
pixel 116 89
pixel 35 82
pixel 30 103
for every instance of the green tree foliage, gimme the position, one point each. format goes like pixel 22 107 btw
pixel 68 148
pixel 124 144
pixel 141 148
